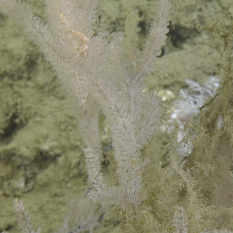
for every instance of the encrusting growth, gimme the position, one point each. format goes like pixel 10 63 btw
pixel 99 77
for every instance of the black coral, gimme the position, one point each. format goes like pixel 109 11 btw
pixel 100 77
pixel 24 218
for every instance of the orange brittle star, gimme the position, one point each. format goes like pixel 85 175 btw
pixel 77 39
